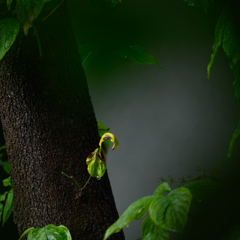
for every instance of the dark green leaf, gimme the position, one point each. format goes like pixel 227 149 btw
pixel 26 232
pixel 171 212
pixel 2 148
pixel 87 52
pixel 201 190
pixel 6 166
pixel 163 188
pixel 233 140
pixel 8 206
pixel 27 11
pixel 202 4
pixel 96 167
pixel 150 231
pixel 9 2
pixel 7 182
pixel 49 6
pixel 50 232
pixel 102 127
pixel 3 196
pixel 1 211
pixel 107 3
pixel 137 54
pixel 135 211
pixel 9 28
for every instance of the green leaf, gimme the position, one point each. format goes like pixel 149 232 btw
pixel 27 232
pixel 233 141
pixel 7 182
pixel 6 166
pixel 9 28
pixel 137 54
pixel 27 11
pixel 87 52
pixel 48 232
pixel 9 2
pixel 201 190
pixel 163 188
pixel 3 196
pixel 135 211
pixel 107 3
pixel 102 128
pixel 171 212
pixel 3 148
pixel 8 206
pixel 1 211
pixel 96 167
pixel 150 231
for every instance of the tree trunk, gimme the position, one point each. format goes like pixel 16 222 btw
pixel 50 127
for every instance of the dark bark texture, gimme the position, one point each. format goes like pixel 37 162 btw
pixel 50 127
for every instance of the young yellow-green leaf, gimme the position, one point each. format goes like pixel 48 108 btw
pixel 233 140
pixel 8 206
pixel 9 28
pixel 135 211
pixel 171 212
pixel 96 167
pixel 110 136
pixel 201 190
pixel 150 231
pixel 7 182
pixel 27 232
pixel 6 166
pixel 163 188
pixel 49 232
pixel 27 11
pixel 138 54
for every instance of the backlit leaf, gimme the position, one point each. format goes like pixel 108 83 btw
pixel 135 211
pixel 163 188
pixel 138 54
pixel 8 206
pixel 3 196
pixel 9 28
pixel 171 212
pixel 96 167
pixel 150 231
pixel 48 232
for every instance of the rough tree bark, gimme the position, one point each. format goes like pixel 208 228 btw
pixel 50 127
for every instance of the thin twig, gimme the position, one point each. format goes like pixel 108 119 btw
pixel 86 182
pixel 53 11
pixel 72 179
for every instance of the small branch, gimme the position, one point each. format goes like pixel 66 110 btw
pixel 72 179
pixel 86 182
pixel 53 11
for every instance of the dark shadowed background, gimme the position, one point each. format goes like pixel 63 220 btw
pixel 168 120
